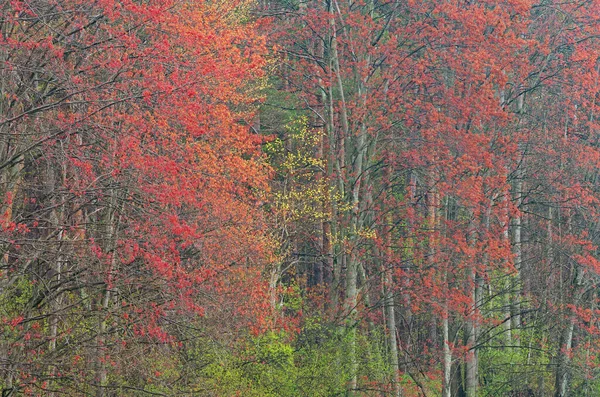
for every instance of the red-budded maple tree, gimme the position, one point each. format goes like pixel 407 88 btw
pixel 131 184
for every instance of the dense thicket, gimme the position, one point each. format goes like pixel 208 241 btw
pixel 130 193
pixel 454 165
pixel 299 198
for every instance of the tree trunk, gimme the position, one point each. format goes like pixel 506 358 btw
pixel 391 328
pixel 447 358
pixel 390 307
pixel 518 252
pixel 562 381
pixel 113 220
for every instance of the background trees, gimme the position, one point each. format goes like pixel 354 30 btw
pixel 456 134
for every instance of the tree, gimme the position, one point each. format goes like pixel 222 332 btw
pixel 132 187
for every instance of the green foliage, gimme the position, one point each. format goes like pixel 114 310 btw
pixel 524 364
pixel 271 366
pixel 373 361
pixel 322 360
pixel 313 363
pixel 292 298
pixel 16 295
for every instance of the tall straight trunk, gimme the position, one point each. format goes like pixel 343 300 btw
pixel 319 266
pixel 113 220
pixel 471 358
pixel 433 223
pixel 447 357
pixel 327 250
pixel 410 244
pixel 326 152
pixel 389 302
pixel 472 362
pixel 351 323
pixel 360 151
pixel 517 229
pixel 507 301
pixel 562 380
pixel 518 251
pixel 337 161
pixel 55 305
pixel 351 287
pixel 326 231
pixel 562 370
pixel 392 342
pixel 550 236
pixel 58 218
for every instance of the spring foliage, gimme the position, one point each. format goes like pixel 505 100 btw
pixel 299 198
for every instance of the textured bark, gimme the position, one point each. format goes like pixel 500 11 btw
pixel 518 252
pixel 447 358
pixel 390 307
pixel 392 342
pixel 113 221
pixel 507 301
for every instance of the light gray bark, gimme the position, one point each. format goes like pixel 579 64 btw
pixel 447 358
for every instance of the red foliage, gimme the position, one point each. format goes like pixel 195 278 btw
pixel 138 114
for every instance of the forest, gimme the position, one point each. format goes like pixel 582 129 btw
pixel 300 198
